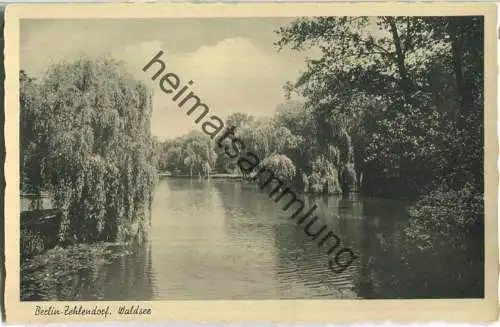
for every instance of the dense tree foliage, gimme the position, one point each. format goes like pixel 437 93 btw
pixel 408 94
pixel 397 86
pixel 85 140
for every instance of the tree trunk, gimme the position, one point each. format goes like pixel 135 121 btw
pixel 457 55
pixel 400 57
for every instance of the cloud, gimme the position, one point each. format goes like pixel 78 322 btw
pixel 233 75
pixel 48 44
pixel 230 75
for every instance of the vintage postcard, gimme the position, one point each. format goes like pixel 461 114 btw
pixel 251 163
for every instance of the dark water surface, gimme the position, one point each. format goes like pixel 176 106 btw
pixel 227 240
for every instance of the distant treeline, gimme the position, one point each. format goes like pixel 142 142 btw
pixel 286 142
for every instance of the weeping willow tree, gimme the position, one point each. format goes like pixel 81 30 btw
pixel 87 142
pixel 282 167
pixel 322 149
pixel 332 168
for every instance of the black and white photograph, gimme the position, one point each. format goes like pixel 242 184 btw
pixel 251 158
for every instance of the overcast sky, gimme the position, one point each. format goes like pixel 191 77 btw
pixel 233 62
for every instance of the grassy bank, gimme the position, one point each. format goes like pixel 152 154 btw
pixel 51 270
pixel 63 273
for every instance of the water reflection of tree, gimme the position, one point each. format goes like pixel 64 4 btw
pixel 194 194
pixel 389 266
pixel 304 270
pixel 290 266
pixel 393 267
pixel 371 259
pixel 248 258
pixel 245 205
pixel 89 273
pixel 130 277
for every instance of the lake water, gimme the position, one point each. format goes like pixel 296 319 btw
pixel 228 240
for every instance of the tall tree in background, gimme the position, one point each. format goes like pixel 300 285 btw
pixel 394 85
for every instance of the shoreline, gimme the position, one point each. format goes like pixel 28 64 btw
pixel 214 176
